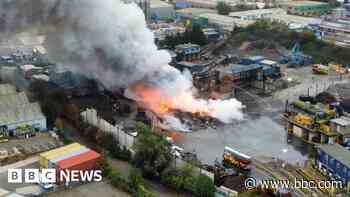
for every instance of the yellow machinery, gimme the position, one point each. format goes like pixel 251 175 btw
pixel 338 68
pixel 303 120
pixel 325 128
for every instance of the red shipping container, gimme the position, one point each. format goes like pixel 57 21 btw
pixel 85 161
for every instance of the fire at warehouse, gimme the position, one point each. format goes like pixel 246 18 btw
pixel 162 98
pixel 124 55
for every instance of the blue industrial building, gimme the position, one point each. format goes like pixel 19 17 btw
pixel 182 5
pixel 270 68
pixel 187 52
pixel 334 160
pixel 243 72
pixel 192 67
pixel 252 60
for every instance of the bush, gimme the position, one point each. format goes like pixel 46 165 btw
pixel 204 186
pixel 135 178
pixel 183 180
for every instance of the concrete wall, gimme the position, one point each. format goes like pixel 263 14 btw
pixel 124 138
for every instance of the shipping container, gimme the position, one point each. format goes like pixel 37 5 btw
pixel 85 161
pixel 73 153
pixel 67 150
pixel 80 162
pixel 43 156
pixel 64 151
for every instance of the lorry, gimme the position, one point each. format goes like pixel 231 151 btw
pixel 235 159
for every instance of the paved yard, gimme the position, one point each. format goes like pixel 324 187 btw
pixel 98 189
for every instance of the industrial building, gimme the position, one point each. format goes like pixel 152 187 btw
pixel 211 34
pixel 192 67
pixel 204 17
pixel 257 14
pixel 306 8
pixel 16 112
pixel 189 13
pixel 211 4
pixel 270 68
pixel 338 30
pixel 162 30
pixel 295 22
pixel 225 22
pixel 312 122
pixel 279 15
pixel 334 160
pixel 241 73
pixel 342 127
pixel 187 52
pixel 160 10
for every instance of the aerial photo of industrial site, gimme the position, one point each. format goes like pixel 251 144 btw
pixel 175 98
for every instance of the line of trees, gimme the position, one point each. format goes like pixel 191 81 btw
pixel 274 32
pixel 193 35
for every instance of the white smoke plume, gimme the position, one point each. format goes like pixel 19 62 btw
pixel 109 40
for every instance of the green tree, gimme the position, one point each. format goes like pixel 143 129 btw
pixel 204 186
pixel 135 178
pixel 197 36
pixel 223 8
pixel 152 152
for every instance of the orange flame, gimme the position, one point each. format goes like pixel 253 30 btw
pixel 156 100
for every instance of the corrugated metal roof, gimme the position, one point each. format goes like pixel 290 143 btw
pixel 76 160
pixel 22 113
pixel 239 68
pixel 6 89
pixel 7 101
pixel 337 152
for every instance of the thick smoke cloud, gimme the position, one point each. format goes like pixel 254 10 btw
pixel 107 40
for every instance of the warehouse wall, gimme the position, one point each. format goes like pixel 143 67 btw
pixel 39 124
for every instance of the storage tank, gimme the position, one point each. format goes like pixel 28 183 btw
pixel 43 161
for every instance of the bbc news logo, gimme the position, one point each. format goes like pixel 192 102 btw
pixel 52 176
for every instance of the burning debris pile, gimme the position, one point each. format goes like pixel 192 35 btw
pixel 109 41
